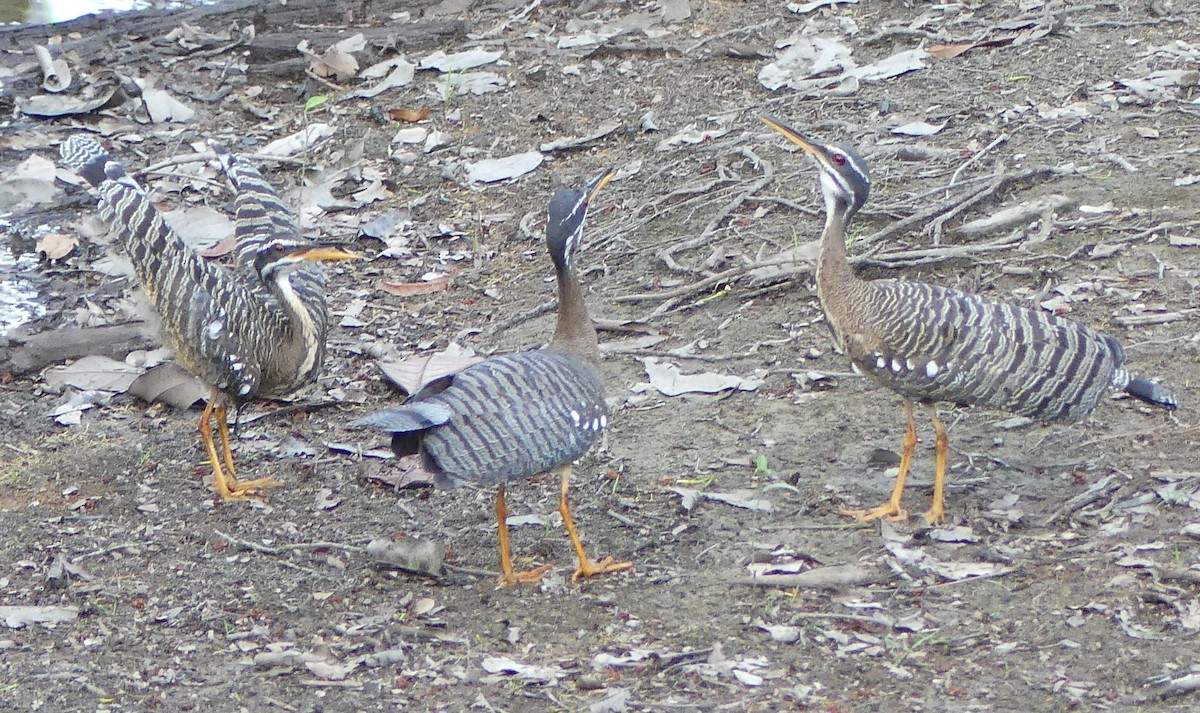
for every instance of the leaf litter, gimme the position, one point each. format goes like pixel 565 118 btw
pixel 1084 124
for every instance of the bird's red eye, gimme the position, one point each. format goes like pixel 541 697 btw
pixel 839 159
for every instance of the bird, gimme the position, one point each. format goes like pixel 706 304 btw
pixel 934 344
pixel 256 331
pixel 516 415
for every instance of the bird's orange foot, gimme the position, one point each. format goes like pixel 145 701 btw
pixel 935 515
pixel 532 576
pixel 243 489
pixel 604 566
pixel 888 511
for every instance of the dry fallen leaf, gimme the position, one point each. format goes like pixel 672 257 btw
pixel 409 289
pixel 501 169
pixel 411 116
pixel 951 51
pixel 413 373
pixel 170 384
pixel 667 379
pixel 412 554
pixel 17 617
pixel 56 246
pixel 530 672
pixel 94 373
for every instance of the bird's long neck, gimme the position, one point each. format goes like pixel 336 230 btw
pixel 574 330
pixel 835 278
pixel 302 331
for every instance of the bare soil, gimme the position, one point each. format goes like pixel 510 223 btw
pixel 1031 598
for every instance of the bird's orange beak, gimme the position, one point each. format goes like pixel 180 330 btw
pixel 812 148
pixel 326 253
pixel 599 182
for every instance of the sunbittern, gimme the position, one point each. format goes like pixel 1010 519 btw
pixel 930 343
pixel 254 332
pixel 517 415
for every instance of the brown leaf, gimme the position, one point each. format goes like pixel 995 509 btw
pixel 409 289
pixel 224 247
pixel 414 373
pixel 951 51
pixel 94 373
pixel 411 116
pixel 406 473
pixel 56 246
pixel 170 384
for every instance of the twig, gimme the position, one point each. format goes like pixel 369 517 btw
pixel 683 290
pixel 281 549
pixel 976 156
pixel 521 15
pixel 973 197
pixel 667 255
pixel 472 571
pixel 735 31
pixel 515 320
pixel 1089 496
pixel 106 550
pixel 893 260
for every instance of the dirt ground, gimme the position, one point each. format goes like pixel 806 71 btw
pixel 1065 579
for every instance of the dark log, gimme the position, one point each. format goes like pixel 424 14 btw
pixel 26 354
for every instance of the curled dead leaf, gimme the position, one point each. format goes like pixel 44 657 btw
pixel 409 289
pixel 56 246
pixel 411 116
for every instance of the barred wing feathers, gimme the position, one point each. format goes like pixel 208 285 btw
pixel 940 344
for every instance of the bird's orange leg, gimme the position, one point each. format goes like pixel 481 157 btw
pixel 941 449
pixel 224 481
pixel 507 575
pixel 891 510
pixel 586 568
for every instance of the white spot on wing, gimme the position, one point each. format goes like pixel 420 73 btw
pixel 575 416
pixel 595 424
pixel 908 364
pixel 896 365
pixel 931 369
pixel 880 363
pixel 213 330
pixel 244 390
pixel 603 421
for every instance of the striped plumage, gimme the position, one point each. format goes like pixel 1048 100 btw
pixel 489 423
pixel 517 415
pixel 931 343
pixel 257 331
pixel 947 345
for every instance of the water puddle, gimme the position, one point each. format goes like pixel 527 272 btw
pixel 39 12
pixel 19 303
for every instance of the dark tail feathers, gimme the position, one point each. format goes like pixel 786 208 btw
pixel 1151 393
pixel 408 418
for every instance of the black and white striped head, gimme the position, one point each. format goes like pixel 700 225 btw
pixel 845 178
pixel 280 257
pixel 565 218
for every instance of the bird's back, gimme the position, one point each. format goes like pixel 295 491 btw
pixel 225 327
pixel 192 297
pixel 939 344
pixel 261 217
pixel 516 415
